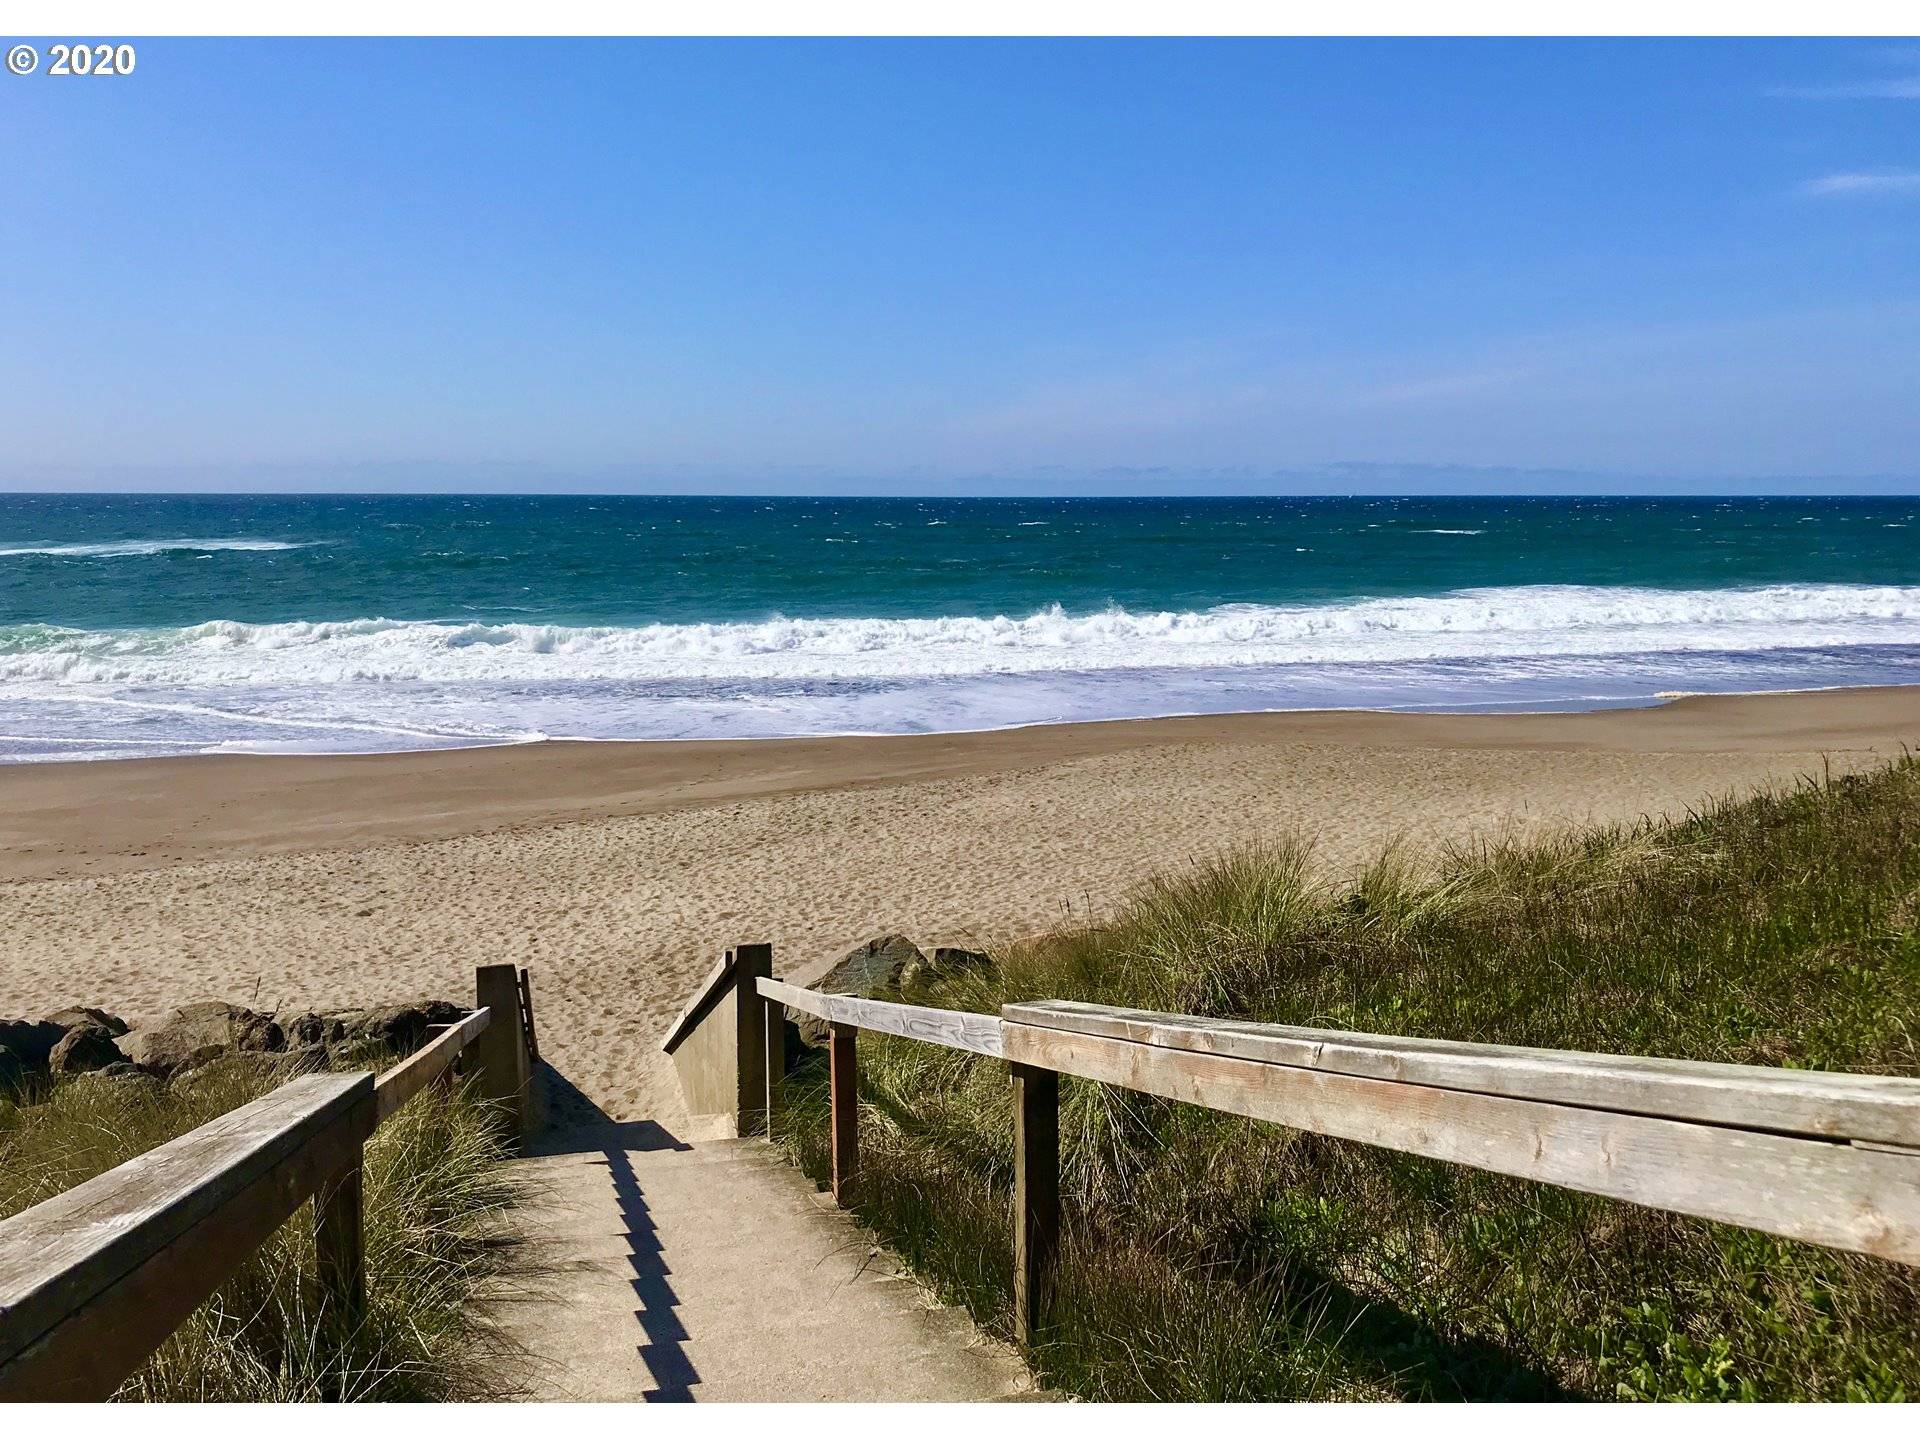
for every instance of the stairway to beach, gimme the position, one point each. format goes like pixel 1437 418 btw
pixel 669 1271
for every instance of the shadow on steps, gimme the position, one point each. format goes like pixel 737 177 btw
pixel 575 1125
pixel 572 1124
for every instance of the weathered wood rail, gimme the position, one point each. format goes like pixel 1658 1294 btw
pixel 1829 1158
pixel 93 1280
pixel 846 1016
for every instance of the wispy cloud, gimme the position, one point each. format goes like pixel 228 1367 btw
pixel 1865 182
pixel 1764 394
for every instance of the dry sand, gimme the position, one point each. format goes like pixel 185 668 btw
pixel 616 872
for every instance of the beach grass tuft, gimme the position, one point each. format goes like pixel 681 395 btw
pixel 435 1195
pixel 1208 1257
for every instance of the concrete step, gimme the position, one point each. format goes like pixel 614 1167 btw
pixel 667 1271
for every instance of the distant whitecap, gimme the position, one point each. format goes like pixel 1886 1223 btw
pixel 112 549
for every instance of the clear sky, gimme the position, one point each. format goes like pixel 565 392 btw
pixel 965 266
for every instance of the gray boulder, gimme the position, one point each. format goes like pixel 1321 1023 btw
pixel 312 1029
pixel 954 957
pixel 257 1032
pixel 872 970
pixel 196 1034
pixel 75 1015
pixel 84 1048
pixel 31 1041
pixel 947 962
pixel 403 1028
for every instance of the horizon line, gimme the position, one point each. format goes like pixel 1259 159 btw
pixel 1913 494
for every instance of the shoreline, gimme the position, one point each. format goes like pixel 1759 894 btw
pixel 195 749
pixel 615 872
pixel 100 816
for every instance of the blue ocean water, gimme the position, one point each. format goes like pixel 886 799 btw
pixel 166 624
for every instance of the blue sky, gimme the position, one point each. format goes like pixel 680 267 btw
pixel 912 266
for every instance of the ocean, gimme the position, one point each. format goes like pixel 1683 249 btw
pixel 151 625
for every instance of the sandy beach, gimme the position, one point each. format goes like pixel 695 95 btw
pixel 617 871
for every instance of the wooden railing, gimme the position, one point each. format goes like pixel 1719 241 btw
pixel 93 1280
pixel 1810 1155
pixel 846 1016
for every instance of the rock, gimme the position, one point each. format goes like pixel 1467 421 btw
pixel 953 957
pixel 75 1015
pixel 195 1034
pixel 312 1029
pixel 83 1048
pixel 403 1028
pixel 873 971
pixel 948 961
pixel 13 1071
pixel 258 1032
pixel 31 1041
pixel 169 1049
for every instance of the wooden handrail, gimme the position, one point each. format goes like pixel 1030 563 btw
pixel 1752 1097
pixel 846 1015
pixel 1829 1158
pixel 407 1079
pixel 1831 1192
pixel 955 1029
pixel 94 1279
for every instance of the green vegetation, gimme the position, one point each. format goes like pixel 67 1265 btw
pixel 1208 1257
pixel 433 1196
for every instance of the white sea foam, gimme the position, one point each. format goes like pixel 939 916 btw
pixel 1519 621
pixel 113 549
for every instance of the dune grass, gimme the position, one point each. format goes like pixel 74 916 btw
pixel 1212 1258
pixel 433 1196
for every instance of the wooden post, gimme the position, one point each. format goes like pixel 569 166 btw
pixel 526 1015
pixel 339 1243
pixel 500 1051
pixel 844 1086
pixel 775 1025
pixel 1036 1196
pixel 750 963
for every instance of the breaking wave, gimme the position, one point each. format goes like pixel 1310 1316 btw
pixel 114 549
pixel 1516 621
